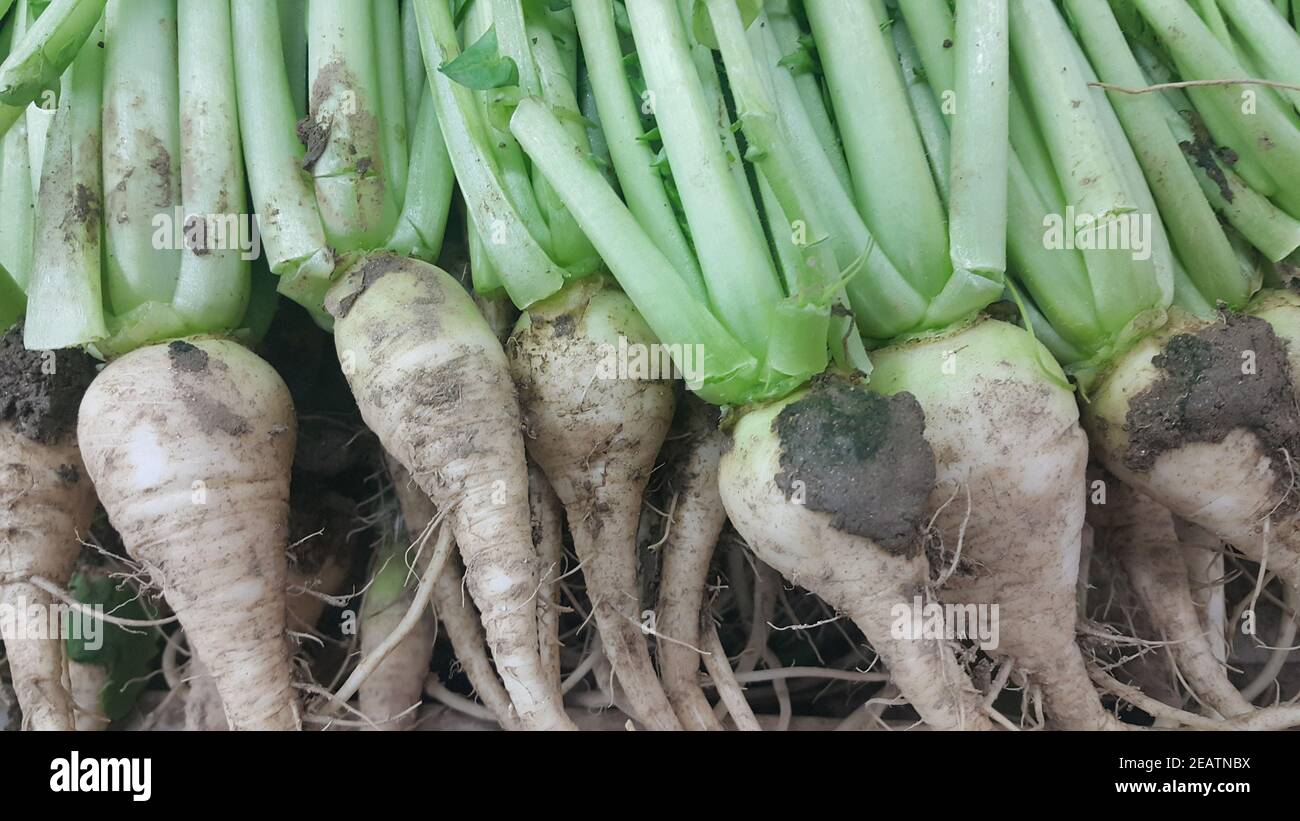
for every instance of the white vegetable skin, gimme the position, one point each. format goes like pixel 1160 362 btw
pixel 432 382
pixel 190 446
pixel 46 502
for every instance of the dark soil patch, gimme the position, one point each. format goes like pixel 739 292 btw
pixel 1210 387
pixel 40 391
pixel 368 273
pixel 186 357
pixel 860 457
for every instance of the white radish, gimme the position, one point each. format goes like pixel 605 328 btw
pixel 189 445
pixel 596 436
pixel 695 523
pixel 548 536
pixel 829 487
pixel 1010 460
pixel 87 681
pixel 1201 416
pixel 45 502
pixel 459 617
pixel 432 382
pixel 388 694
pixel 1141 535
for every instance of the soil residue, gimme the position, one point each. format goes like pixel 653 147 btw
pixel 369 272
pixel 1207 155
pixel 186 357
pixel 314 136
pixel 860 457
pixel 161 165
pixel 40 391
pixel 1231 375
pixel 563 326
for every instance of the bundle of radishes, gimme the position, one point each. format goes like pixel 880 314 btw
pixel 662 364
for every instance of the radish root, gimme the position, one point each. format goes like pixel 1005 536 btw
pixel 432 382
pixel 189 445
pixel 596 437
pixel 693 530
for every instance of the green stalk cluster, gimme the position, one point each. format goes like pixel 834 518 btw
pixel 342 138
pixel 140 216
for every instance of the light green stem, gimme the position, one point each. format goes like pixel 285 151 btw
pixel 642 184
pixel 891 175
pixel 46 49
pixel 348 163
pixel 65 303
pixel 423 222
pixel 142 144
pixel 732 252
pixel 528 273
pixel 213 286
pixel 977 210
pixel 293 237
pixel 392 96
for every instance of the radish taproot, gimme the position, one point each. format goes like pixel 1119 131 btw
pixel 46 503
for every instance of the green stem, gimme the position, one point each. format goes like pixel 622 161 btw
pixel 785 32
pixel 293 39
pixel 347 124
pixel 213 286
pixel 41 114
pixel 642 184
pixel 929 118
pixel 733 254
pixel 527 271
pixel 570 247
pixel 1247 208
pixel 1274 43
pixel 716 100
pixel 1265 133
pixel 423 222
pixel 142 143
pixel 293 236
pixel 507 157
pixel 17 217
pixel 1093 183
pixel 392 95
pixel 47 48
pixel 977 211
pixel 895 191
pixel 412 68
pixel 65 304
pixel 1207 257
pixel 816 171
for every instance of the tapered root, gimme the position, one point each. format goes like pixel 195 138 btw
pixel 1189 420
pixel 190 445
pixel 458 616
pixel 694 526
pixel 389 694
pixel 1008 502
pixel 596 437
pixel 46 502
pixel 865 560
pixel 431 381
pixel 1141 534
